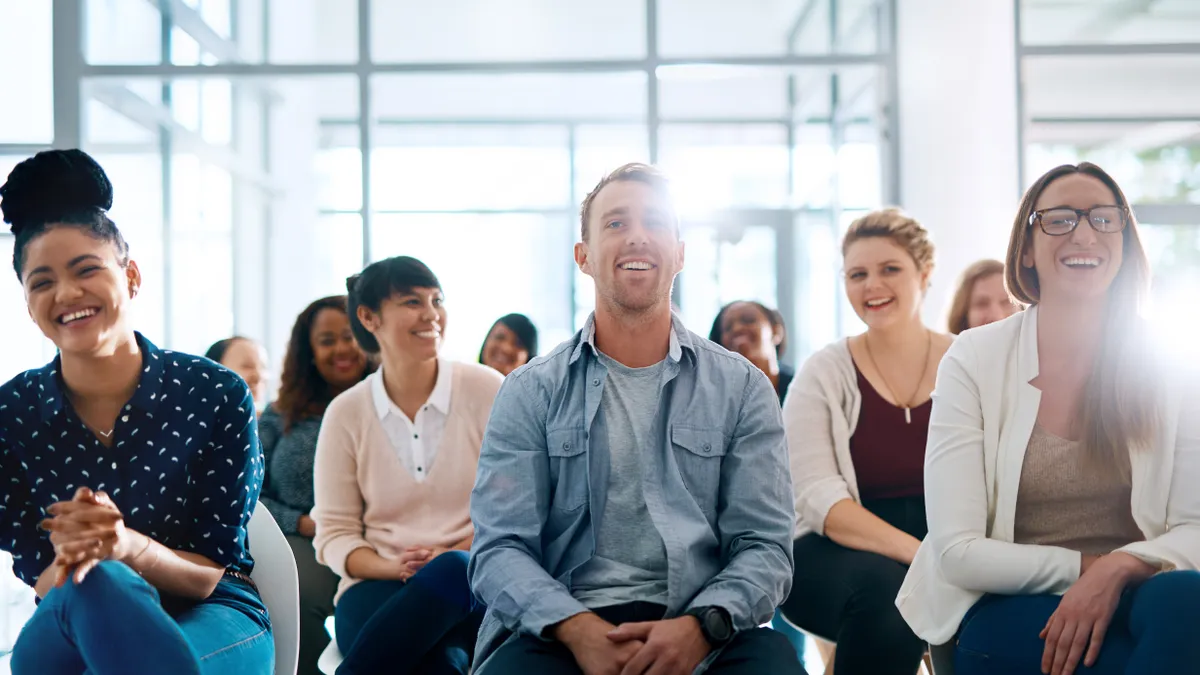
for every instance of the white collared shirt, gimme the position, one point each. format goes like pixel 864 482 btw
pixel 415 441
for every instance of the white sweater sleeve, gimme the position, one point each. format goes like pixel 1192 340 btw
pixel 808 420
pixel 956 496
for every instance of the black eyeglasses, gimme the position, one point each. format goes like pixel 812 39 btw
pixel 1060 221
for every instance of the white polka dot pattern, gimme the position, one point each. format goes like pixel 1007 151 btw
pixel 185 466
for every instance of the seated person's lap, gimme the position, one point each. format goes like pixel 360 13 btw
pixel 752 652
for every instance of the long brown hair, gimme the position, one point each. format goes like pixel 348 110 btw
pixel 960 307
pixel 1120 408
pixel 303 393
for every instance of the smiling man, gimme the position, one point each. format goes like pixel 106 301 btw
pixel 633 506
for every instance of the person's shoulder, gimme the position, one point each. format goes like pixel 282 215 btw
pixel 708 351
pixel 476 376
pixel 547 370
pixel 831 363
pixel 351 404
pixel 22 385
pixel 996 334
pixel 20 395
pixel 201 373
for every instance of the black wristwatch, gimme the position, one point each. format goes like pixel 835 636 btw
pixel 715 624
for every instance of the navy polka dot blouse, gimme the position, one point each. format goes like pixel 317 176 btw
pixel 185 466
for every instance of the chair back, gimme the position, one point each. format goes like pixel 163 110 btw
pixel 278 585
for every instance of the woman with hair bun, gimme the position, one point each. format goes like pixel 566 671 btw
pixel 857 418
pixel 395 465
pixel 130 472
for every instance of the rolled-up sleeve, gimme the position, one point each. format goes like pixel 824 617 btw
pixel 337 498
pixel 755 515
pixel 509 506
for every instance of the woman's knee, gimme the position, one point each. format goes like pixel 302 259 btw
pixel 101 583
pixel 447 569
pixel 446 575
pixel 1168 598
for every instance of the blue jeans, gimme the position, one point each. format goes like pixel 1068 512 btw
pixel 425 625
pixel 1153 631
pixel 115 622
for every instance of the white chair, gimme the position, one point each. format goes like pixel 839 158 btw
pixel 331 658
pixel 278 584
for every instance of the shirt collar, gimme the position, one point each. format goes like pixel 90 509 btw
pixel 145 397
pixel 680 339
pixel 439 398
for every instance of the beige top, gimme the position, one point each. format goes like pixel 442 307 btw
pixel 1069 500
pixel 367 497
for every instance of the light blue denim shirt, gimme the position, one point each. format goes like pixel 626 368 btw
pixel 717 487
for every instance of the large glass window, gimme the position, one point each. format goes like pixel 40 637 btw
pixel 533 30
pixel 27 113
pixel 505 263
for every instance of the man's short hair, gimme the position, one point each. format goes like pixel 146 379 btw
pixel 633 171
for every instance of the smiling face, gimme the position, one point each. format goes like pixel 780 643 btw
pixel 747 331
pixel 336 354
pixel 409 325
pixel 77 291
pixel 1079 266
pixel 989 301
pixel 632 250
pixel 883 283
pixel 503 350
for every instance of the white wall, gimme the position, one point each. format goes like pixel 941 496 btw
pixel 958 131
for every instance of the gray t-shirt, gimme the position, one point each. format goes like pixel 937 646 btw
pixel 631 561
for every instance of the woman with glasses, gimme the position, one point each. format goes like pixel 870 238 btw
pixel 1063 459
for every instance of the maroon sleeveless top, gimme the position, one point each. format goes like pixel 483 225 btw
pixel 888 453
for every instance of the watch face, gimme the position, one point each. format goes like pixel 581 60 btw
pixel 717 625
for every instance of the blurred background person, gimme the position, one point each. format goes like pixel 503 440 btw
pixel 248 359
pixel 980 297
pixel 757 332
pixel 511 342
pixel 322 361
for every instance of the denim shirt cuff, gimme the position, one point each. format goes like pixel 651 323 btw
pixel 548 610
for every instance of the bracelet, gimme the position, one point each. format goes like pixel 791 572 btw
pixel 140 553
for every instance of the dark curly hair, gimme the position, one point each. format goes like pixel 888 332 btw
pixel 378 282
pixel 303 393
pixel 59 187
pixel 717 332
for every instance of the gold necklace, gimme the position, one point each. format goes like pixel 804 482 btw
pixel 891 392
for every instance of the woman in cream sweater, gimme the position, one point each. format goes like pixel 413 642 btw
pixel 1063 460
pixel 857 416
pixel 395 464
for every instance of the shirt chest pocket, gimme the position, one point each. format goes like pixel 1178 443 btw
pixel 698 452
pixel 568 467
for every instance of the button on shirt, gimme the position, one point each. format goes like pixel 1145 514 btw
pixel 185 466
pixel 716 485
pixel 415 441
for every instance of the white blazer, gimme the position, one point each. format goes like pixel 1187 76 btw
pixel 984 410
